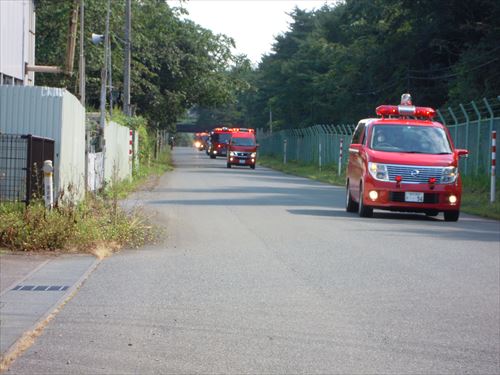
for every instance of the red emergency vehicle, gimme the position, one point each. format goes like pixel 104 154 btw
pixel 219 139
pixel 403 161
pixel 200 140
pixel 242 148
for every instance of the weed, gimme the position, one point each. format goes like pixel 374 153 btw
pixel 97 224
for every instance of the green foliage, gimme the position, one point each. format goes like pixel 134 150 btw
pixel 176 64
pixel 476 197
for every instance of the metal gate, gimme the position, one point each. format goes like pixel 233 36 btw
pixel 21 162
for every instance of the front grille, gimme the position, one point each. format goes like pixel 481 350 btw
pixel 243 154
pixel 399 196
pixel 414 174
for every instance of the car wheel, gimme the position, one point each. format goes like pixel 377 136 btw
pixel 363 211
pixel 212 156
pixel 350 205
pixel 252 166
pixel 432 213
pixel 228 165
pixel 451 215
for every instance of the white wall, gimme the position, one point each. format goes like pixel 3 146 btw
pixel 17 39
pixel 117 138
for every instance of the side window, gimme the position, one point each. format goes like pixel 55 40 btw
pixel 364 135
pixel 357 137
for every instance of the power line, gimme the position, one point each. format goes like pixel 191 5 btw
pixel 454 74
pixel 478 57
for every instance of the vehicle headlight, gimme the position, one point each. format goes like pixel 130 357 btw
pixel 378 171
pixel 449 175
pixel 253 154
pixel 233 153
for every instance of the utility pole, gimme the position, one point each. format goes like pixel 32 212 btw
pixel 110 75
pixel 126 70
pixel 104 73
pixel 82 55
pixel 103 92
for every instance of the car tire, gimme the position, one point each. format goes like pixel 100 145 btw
pixel 451 215
pixel 212 156
pixel 431 213
pixel 252 166
pixel 228 165
pixel 363 211
pixel 350 205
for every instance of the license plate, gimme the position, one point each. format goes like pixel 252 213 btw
pixel 414 197
pixel 242 161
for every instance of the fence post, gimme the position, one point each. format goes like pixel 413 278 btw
pixel 490 111
pixel 493 165
pixel 319 155
pixel 48 182
pixel 341 146
pixel 478 148
pixel 284 151
pixel 456 123
pixel 443 121
pixel 466 132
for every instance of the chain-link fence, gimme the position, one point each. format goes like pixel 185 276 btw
pixel 470 126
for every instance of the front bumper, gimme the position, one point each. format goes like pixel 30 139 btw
pixel 236 160
pixel 391 196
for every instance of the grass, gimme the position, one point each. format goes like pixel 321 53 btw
pixel 96 225
pixel 475 195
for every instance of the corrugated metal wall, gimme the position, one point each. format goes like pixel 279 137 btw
pixel 51 113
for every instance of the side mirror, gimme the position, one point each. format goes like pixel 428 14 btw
pixel 461 152
pixel 355 148
pixel 257 145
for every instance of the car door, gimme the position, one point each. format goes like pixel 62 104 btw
pixel 355 163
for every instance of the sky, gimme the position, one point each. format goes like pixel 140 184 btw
pixel 253 24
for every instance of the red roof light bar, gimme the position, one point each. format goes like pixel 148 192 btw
pixel 405 110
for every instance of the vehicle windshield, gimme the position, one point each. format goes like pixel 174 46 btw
pixel 239 141
pixel 221 137
pixel 411 139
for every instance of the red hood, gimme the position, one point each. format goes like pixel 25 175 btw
pixel 243 148
pixel 412 159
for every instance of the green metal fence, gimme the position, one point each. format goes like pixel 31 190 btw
pixel 470 126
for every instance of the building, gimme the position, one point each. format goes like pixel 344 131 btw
pixel 17 42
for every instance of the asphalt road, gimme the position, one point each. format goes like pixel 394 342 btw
pixel 266 273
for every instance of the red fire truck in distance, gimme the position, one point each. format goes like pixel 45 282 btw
pixel 242 148
pixel 403 161
pixel 219 139
pixel 200 140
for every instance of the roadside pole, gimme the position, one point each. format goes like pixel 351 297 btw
pixel 493 165
pixel 319 156
pixel 340 155
pixel 48 182
pixel 284 151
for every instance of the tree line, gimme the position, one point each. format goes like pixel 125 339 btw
pixel 336 64
pixel 333 65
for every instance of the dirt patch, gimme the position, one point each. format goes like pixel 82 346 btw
pixel 103 250
pixel 151 182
